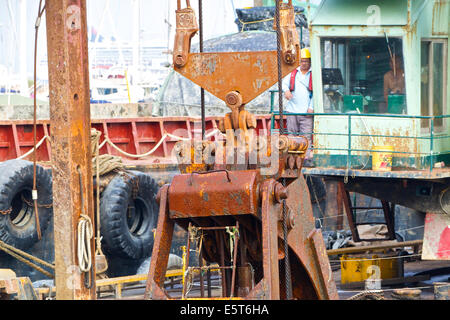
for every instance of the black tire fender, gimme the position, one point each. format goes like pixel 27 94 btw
pixel 18 225
pixel 128 215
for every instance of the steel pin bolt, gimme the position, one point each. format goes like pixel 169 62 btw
pixel 280 192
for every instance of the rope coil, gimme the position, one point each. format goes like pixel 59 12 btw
pixel 85 233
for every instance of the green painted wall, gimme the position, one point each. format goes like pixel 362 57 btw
pixel 419 28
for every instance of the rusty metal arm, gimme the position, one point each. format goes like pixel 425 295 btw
pixel 290 42
pixel 234 77
pixel 187 27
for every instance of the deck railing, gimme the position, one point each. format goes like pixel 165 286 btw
pixel 431 135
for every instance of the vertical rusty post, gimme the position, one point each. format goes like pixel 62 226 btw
pixel 200 260
pixel 208 280
pixel 233 275
pixel 340 207
pixel 348 210
pixel 188 250
pixel 219 236
pixel 70 122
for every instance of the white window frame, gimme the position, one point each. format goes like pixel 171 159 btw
pixel 438 128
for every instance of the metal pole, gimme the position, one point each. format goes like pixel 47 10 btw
pixel 202 91
pixel 349 151
pixel 70 122
pixel 412 243
pixel 432 144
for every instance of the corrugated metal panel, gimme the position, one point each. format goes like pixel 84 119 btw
pixel 362 12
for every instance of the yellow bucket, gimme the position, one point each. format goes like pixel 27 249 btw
pixel 382 161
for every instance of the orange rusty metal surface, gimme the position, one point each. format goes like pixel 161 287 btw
pixel 216 198
pixel 68 68
pixel 260 237
pixel 249 73
pixel 214 193
pixel 186 27
pixel 235 77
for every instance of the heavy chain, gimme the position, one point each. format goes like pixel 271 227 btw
pixel 30 204
pixel 5 212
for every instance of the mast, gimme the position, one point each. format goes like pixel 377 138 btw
pixel 23 48
pixel 136 39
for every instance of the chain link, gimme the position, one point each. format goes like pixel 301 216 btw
pixel 30 203
pixel 5 212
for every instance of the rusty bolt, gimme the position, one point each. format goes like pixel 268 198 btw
pixel 283 143
pixel 291 219
pixel 233 98
pixel 289 57
pixel 299 162
pixel 178 149
pixel 280 192
pixel 291 162
pixel 180 60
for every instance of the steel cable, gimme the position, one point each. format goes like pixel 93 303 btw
pixel 34 191
pixel 202 91
pixel 282 131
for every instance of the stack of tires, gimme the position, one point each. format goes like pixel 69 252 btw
pixel 128 216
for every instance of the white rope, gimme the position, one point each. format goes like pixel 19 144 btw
pixel 214 132
pixel 107 140
pixel 154 148
pixel 32 149
pixel 85 234
pixel 102 144
pixel 136 155
pixel 176 137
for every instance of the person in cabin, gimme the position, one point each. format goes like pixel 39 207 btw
pixel 394 79
pixel 297 89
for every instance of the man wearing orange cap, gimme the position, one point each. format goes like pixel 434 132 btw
pixel 297 89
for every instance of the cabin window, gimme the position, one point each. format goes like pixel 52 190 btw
pixel 433 81
pixel 363 74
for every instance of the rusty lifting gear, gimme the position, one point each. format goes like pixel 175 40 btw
pixel 261 222
pixel 236 86
pixel 217 194
pixel 186 28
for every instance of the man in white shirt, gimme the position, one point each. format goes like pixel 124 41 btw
pixel 297 89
